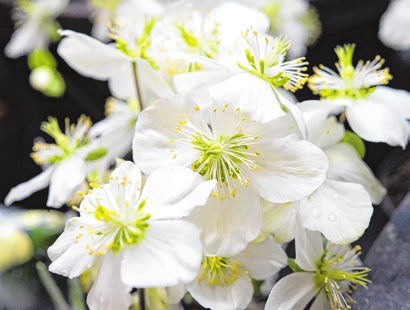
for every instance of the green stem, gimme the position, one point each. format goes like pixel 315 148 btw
pixel 51 287
pixel 141 299
pixel 137 85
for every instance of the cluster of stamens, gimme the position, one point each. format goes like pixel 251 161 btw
pixel 338 273
pixel 219 271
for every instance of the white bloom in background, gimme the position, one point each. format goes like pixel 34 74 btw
pixel 67 163
pixel 376 114
pixel 247 158
pixel 139 237
pixel 329 273
pixel 225 283
pixel 36 25
pixel 124 64
pixel 394 25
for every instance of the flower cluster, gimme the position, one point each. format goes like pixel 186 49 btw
pixel 206 166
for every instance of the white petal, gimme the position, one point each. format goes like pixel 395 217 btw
pixel 280 220
pixel 108 292
pixel 293 292
pixel 154 131
pixel 66 179
pixel 346 165
pixel 397 99
pixel 339 210
pixel 89 56
pixel 235 296
pixel 263 259
pixel 169 254
pixel 290 169
pixel 309 247
pixel 122 81
pixel 25 189
pixel 375 122
pixel 228 225
pixel 22 43
pixel 69 253
pixel 174 192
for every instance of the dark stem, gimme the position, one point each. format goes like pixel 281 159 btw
pixel 141 298
pixel 137 84
pixel 342 117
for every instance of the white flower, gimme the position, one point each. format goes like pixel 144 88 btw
pixel 394 25
pixel 67 163
pixel 247 158
pixel 225 283
pixel 125 64
pixel 329 273
pixel 140 238
pixel 376 114
pixel 36 23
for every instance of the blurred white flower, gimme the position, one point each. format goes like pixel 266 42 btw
pixel 395 24
pixel 36 26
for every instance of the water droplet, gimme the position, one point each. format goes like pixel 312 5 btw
pixel 332 217
pixel 315 213
pixel 335 196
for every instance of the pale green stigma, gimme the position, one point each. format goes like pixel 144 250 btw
pixel 338 274
pixel 355 83
pixel 204 44
pixel 130 43
pixel 67 143
pixel 219 271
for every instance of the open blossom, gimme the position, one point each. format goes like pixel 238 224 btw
pixel 247 158
pixel 225 283
pixel 139 238
pixel 328 272
pixel 66 163
pixel 376 114
pixel 35 19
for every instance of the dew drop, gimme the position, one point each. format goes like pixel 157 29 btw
pixel 332 217
pixel 315 213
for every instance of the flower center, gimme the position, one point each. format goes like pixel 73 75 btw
pixel 355 83
pixel 337 274
pixel 265 60
pixel 130 43
pixel 130 228
pixel 224 157
pixel 219 271
pixel 66 144
pixel 202 43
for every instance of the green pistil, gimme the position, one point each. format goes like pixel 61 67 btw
pixel 207 47
pixel 336 283
pixel 221 158
pixel 130 232
pixel 218 271
pixel 139 49
pixel 345 65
